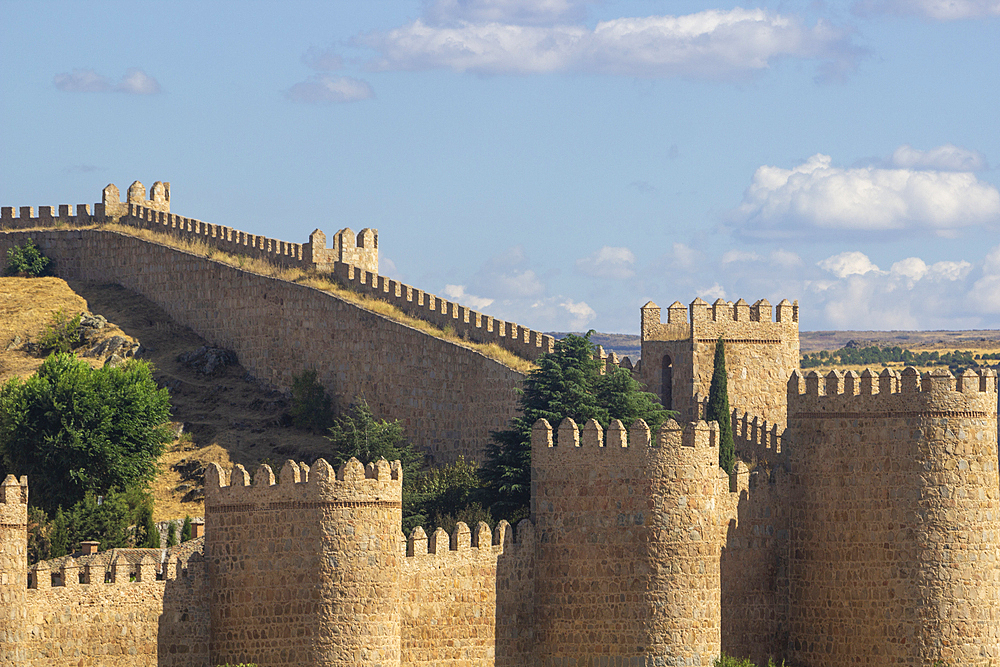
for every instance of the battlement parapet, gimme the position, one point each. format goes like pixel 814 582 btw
pixel 463 321
pixel 609 361
pixel 696 442
pixel 14 501
pixel 738 321
pixel 973 392
pixel 116 567
pixel 48 216
pixel 756 439
pixel 154 214
pixel 463 542
pixel 377 483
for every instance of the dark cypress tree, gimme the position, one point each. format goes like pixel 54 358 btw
pixel 718 409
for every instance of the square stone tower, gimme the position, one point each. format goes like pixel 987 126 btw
pixel 678 356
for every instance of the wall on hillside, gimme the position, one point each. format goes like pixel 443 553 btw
pixel 447 397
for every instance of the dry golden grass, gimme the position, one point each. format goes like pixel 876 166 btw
pixel 27 306
pixel 323 283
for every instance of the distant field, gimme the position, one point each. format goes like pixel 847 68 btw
pixel 976 341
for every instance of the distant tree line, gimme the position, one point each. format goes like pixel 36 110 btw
pixel 957 360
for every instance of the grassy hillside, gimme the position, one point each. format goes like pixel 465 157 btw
pixel 225 417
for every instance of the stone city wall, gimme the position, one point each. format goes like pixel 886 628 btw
pixel 629 532
pixel 450 593
pixel 353 260
pixel 447 397
pixel 121 608
pixel 895 518
pixel 754 567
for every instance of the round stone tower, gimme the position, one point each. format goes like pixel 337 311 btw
pixel 305 571
pixel 629 541
pixel 13 570
pixel 896 516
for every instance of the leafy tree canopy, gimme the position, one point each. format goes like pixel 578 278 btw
pixel 567 383
pixel 74 429
pixel 359 434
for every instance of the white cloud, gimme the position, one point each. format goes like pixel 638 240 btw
pixel 608 262
pixel 816 196
pixel 712 293
pixel 714 44
pixel 458 294
pixel 580 313
pixel 780 258
pixel 134 82
pixel 943 158
pixel 848 263
pixel 508 276
pixel 731 256
pixel 524 12
pixel 785 259
pixel 326 89
pixel 938 10
pixel 684 256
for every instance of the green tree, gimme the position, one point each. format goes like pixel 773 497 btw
pixel 441 496
pixel 28 261
pixel 358 434
pixel 74 429
pixel 312 408
pixel 567 383
pixel 146 533
pixel 186 529
pixel 172 535
pixel 718 409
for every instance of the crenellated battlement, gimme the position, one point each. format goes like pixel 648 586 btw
pixel 672 443
pixel 115 567
pixel 892 392
pixel 739 321
pixel 462 320
pixel 154 214
pixel 757 439
pixel 14 501
pixel 380 482
pixel 462 542
pixel 609 361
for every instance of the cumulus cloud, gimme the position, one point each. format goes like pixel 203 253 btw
pixel 937 10
pixel 608 262
pixel 943 158
pixel 498 38
pixel 134 82
pixel 508 275
pixel 848 264
pixel 816 197
pixel 580 314
pixel 327 89
pixel 458 294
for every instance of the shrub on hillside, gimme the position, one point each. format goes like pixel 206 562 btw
pixel 27 261
pixel 312 408
pixel 63 333
pixel 74 429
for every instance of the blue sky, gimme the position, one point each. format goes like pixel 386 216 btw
pixel 556 163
